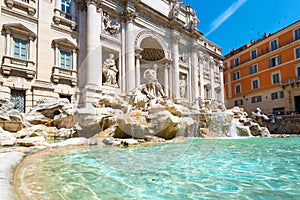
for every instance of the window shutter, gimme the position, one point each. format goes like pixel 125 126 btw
pixel 68 63
pixel 23 50
pixel 279 59
pixel 62 59
pixel 270 62
pixel 16 50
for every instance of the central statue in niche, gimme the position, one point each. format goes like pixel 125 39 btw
pixel 149 93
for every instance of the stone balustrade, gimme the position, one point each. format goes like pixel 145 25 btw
pixel 19 66
pixel 64 74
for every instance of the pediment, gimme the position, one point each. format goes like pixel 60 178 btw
pixel 65 42
pixel 19 28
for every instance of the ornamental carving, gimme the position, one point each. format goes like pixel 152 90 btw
pixel 175 8
pixel 129 15
pixel 109 26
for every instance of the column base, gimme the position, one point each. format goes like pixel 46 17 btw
pixel 90 95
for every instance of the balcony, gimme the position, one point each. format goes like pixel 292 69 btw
pixel 291 81
pixel 64 18
pixel 64 75
pixel 27 5
pixel 18 66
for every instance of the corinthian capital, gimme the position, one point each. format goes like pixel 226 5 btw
pixel 175 38
pixel 129 15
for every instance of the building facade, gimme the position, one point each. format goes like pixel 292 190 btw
pixel 82 49
pixel 266 73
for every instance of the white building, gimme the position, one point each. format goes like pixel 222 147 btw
pixel 60 48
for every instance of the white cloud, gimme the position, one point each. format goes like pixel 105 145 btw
pixel 225 15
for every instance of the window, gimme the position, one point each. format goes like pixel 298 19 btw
pixel 236 75
pixel 18 99
pixel 238 102
pixel 228 65
pixel 20 49
pixel 297 53
pixel 275 61
pixel 253 69
pixel 298 71
pixel 253 54
pixel 65 6
pixel 205 64
pixel 274 45
pixel 238 89
pixel 236 62
pixel 256 99
pixel 281 94
pixel 274 95
pixel 275 78
pixel 65 60
pixel 297 34
pixel 255 84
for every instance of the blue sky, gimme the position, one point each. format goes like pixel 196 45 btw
pixel 233 23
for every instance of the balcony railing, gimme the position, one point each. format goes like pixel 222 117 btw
pixel 290 81
pixel 62 74
pixel 19 66
pixel 64 18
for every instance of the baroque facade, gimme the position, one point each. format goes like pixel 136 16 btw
pixel 83 48
pixel 266 73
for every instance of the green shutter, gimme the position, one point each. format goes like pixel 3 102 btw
pixel 68 61
pixel 62 59
pixel 23 50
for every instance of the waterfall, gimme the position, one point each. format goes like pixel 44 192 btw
pixel 233 132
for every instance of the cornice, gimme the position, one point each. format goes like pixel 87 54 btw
pixel 18 15
pixel 64 30
pixel 267 39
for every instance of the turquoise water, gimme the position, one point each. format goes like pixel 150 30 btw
pixel 254 168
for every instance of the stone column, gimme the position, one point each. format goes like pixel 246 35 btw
pixel 93 47
pixel 8 39
pixel 212 77
pixel 74 60
pixel 170 82
pixel 30 51
pixel 130 54
pixel 56 57
pixel 123 58
pixel 166 79
pixel 222 83
pixel 175 57
pixel 195 73
pixel 138 66
pixel 201 59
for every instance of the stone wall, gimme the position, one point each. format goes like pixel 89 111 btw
pixel 285 125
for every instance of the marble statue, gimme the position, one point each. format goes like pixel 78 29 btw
pixel 152 89
pixel 149 93
pixel 175 8
pixel 108 26
pixel 194 22
pixel 182 86
pixel 110 71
